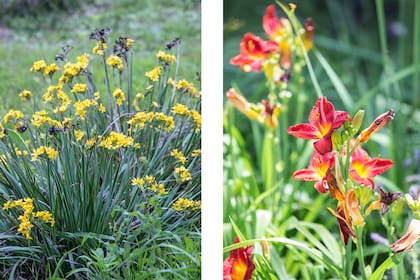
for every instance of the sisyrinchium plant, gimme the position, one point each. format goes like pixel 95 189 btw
pixel 100 178
pixel 272 239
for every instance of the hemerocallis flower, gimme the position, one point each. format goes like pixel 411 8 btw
pixel 407 241
pixel 253 52
pixel 317 170
pixel 239 264
pixel 385 199
pixel 363 168
pixel 323 120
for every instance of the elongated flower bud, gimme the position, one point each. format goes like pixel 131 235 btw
pixel 376 125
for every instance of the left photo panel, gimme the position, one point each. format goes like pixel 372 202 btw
pixel 100 139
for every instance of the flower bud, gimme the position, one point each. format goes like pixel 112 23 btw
pixel 376 125
pixel 358 120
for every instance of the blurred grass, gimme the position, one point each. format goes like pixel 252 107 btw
pixel 152 24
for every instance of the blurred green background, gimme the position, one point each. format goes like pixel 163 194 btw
pixel 34 30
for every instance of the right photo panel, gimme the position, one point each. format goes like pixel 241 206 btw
pixel 321 140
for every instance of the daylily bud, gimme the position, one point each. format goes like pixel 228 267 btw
pixel 358 120
pixel 376 125
pixel 336 139
pixel 265 249
pixel 413 204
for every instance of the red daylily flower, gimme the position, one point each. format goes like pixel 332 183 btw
pixel 239 264
pixel 407 241
pixel 278 29
pixel 323 120
pixel 317 170
pixel 363 168
pixel 253 51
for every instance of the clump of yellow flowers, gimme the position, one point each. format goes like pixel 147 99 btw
pixel 28 216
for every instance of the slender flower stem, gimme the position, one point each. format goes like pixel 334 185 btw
pixel 347 260
pixel 360 254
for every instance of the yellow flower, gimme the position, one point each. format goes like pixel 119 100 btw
pixel 45 216
pixel 38 66
pixel 83 61
pixel 154 74
pixel 179 155
pixel 196 119
pixel 40 117
pixel 78 134
pixel 115 61
pixel 165 57
pixel 25 225
pixel 182 174
pixel 129 43
pixel 102 108
pixel 183 204
pixel 99 48
pixel 82 106
pixel 184 85
pixel 20 153
pixel 50 152
pixel 195 153
pixel 90 143
pixel 116 140
pixel 137 182
pixel 79 88
pixel 25 94
pixel 16 114
pixel 180 109
pixel 50 69
pixel 119 96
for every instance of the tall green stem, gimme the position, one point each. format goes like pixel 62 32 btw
pixel 360 254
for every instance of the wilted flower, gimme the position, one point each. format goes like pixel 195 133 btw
pixel 407 241
pixel 323 120
pixel 385 199
pixel 239 264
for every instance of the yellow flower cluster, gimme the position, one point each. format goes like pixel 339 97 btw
pixel 25 94
pixel 73 69
pixel 154 74
pixel 117 140
pixel 78 134
pixel 183 204
pixel 12 114
pixel 50 152
pixel 21 153
pixel 79 88
pixel 42 66
pixel 196 153
pixel 182 174
pixel 55 94
pixel 40 117
pixel 90 143
pixel 82 106
pixel 2 131
pixel 119 96
pixel 150 183
pixel 99 48
pixel 184 85
pixel 115 61
pixel 166 57
pixel 179 156
pixel 27 205
pixel 129 43
pixel 140 119
pixel 181 109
